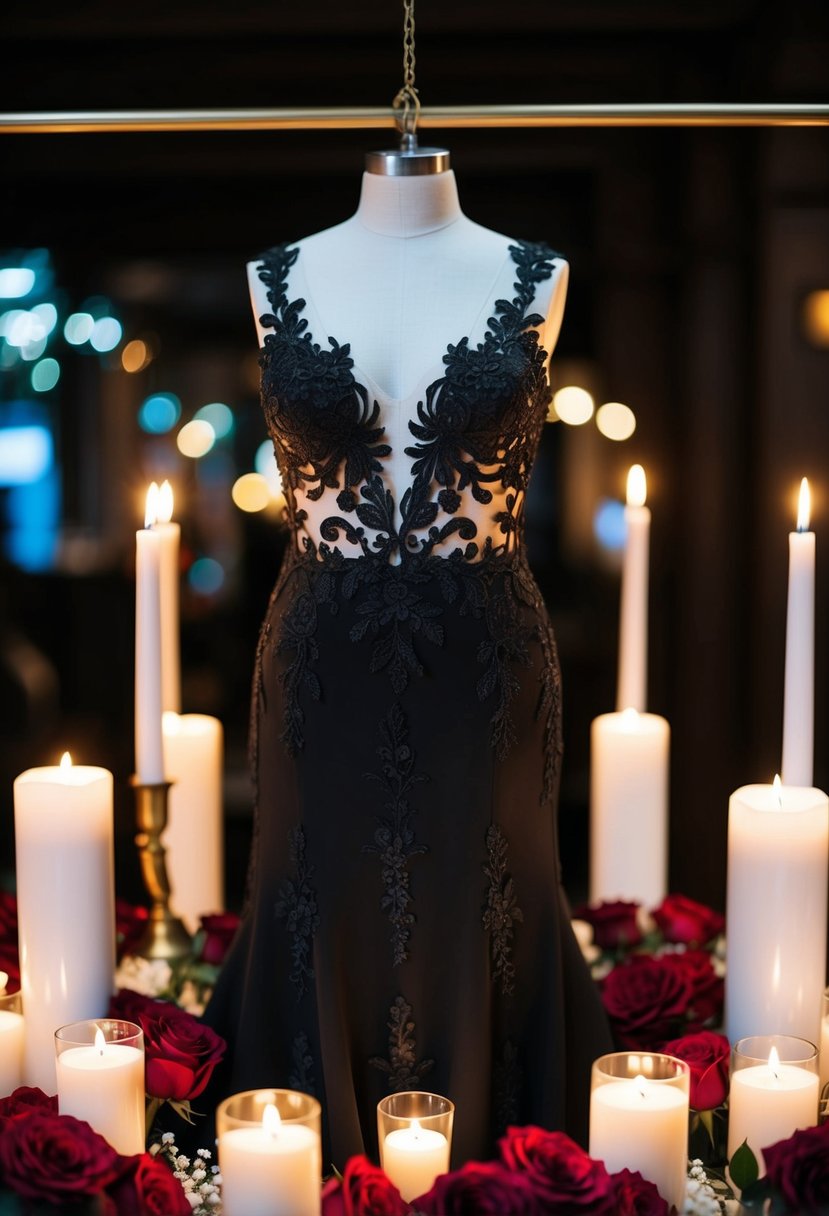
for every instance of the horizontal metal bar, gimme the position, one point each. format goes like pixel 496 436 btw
pixel 646 115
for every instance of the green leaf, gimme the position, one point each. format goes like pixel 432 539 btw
pixel 743 1167
pixel 706 1118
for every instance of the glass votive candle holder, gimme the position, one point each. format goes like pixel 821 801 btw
pixel 414 1130
pixel 11 1039
pixel 639 1105
pixel 270 1155
pixel 824 1056
pixel 774 1091
pixel 100 1075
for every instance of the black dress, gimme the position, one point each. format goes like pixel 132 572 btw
pixel 406 927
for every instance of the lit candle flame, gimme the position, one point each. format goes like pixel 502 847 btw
pixel 804 506
pixel 637 487
pixel 774 1063
pixel 165 503
pixel 100 1041
pixel 4 979
pixel 777 786
pixel 151 507
pixel 66 761
pixel 415 1126
pixel 271 1122
pixel 641 1086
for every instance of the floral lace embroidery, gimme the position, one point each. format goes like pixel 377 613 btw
pixel 502 912
pixel 297 906
pixel 394 838
pixel 302 1075
pixel 402 1067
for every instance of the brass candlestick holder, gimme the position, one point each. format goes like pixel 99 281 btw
pixel 165 935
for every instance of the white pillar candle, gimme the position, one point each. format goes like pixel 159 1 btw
pixel 170 534
pixel 637 1124
pixel 270 1170
pixel 769 1102
pixel 629 807
pixel 413 1157
pixel 798 701
pixel 11 1039
pixel 778 851
pixel 633 615
pixel 193 756
pixel 65 902
pixel 149 759
pixel 103 1083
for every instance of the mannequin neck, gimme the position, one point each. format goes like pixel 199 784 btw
pixel 408 206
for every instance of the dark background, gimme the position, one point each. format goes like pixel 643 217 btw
pixel 691 253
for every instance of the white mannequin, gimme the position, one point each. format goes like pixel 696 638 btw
pixel 407 274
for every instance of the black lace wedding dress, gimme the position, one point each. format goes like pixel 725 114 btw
pixel 406 927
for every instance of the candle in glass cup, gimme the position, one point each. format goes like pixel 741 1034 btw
pixel 100 1073
pixel 270 1166
pixel 824 1050
pixel 773 1093
pixel 414 1130
pixel 11 1039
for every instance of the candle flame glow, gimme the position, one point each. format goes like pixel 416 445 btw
pixel 774 1063
pixel 415 1126
pixel 271 1121
pixel 804 506
pixel 151 507
pixel 637 486
pixel 100 1041
pixel 165 503
pixel 4 979
pixel 777 786
pixel 641 1085
pixel 66 760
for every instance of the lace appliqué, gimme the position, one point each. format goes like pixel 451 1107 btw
pixel 402 1067
pixel 394 838
pixel 502 912
pixel 302 1073
pixel 297 907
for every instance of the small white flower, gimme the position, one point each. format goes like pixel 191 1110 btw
pixel 168 1138
pixel 204 1152
pixel 194 1201
pixel 198 1174
pixel 183 1162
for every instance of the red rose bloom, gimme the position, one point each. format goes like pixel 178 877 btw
pixel 219 932
pixel 614 924
pixel 480 1188
pixel 633 1195
pixel 130 924
pixel 23 1102
pixel 364 1191
pixel 686 922
pixel 707 989
pixel 127 1005
pixel 708 1056
pixel 180 1052
pixel 645 999
pixel 148 1188
pixel 562 1176
pixel 798 1169
pixel 56 1158
pixel 9 954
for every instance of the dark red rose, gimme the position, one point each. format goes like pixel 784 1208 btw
pixel 24 1101
pixel 562 1176
pixel 480 1188
pixel 708 1055
pixel 633 1195
pixel 148 1188
pixel 706 988
pixel 56 1158
pixel 798 1169
pixel 364 1191
pixel 219 932
pixel 8 915
pixel 130 924
pixel 180 1052
pixel 614 924
pixel 686 922
pixel 127 1005
pixel 645 1000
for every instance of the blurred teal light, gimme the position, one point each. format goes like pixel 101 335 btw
pixel 26 454
pixel 45 375
pixel 16 281
pixel 220 417
pixel 609 525
pixel 78 328
pixel 106 334
pixel 159 413
pixel 206 576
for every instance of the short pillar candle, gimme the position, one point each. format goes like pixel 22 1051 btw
pixel 414 1130
pixel 270 1153
pixel 11 1039
pixel 100 1073
pixel 774 1091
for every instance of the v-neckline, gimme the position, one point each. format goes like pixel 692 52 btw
pixel 363 377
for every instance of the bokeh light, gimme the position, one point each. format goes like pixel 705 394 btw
pixel 573 405
pixel 135 356
pixel 106 334
pixel 609 526
pixel 206 576
pixel 251 492
pixel 816 317
pixel 615 420
pixel 16 281
pixel 78 328
pixel 159 413
pixel 47 314
pixel 196 438
pixel 45 375
pixel 265 463
pixel 220 417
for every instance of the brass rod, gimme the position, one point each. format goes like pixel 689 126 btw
pixel 645 115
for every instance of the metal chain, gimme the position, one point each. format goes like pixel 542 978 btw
pixel 407 99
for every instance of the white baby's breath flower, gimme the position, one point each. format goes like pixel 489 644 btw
pixel 198 1174
pixel 182 1162
pixel 168 1138
pixel 148 976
